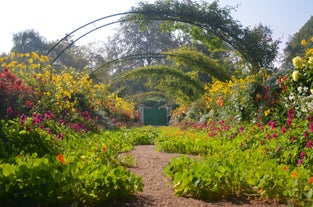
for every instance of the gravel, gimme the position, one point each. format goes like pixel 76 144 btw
pixel 157 190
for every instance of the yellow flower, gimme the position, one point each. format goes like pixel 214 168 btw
pixel 303 42
pixel 295 75
pixel 297 62
pixel 267 112
pixel 310 61
pixel 12 55
pixel 311 39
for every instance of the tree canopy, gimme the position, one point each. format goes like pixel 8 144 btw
pixel 293 46
pixel 255 45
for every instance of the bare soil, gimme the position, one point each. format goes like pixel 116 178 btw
pixel 157 190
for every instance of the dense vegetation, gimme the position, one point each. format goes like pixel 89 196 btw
pixel 64 127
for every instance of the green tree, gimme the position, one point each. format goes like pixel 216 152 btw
pixel 29 41
pixel 255 45
pixel 293 46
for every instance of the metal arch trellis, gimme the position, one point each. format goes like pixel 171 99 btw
pixel 108 24
pixel 223 33
pixel 90 31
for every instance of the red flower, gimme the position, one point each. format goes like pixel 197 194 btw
pixel 18 82
pixel 29 103
pixel 61 159
pixel 310 181
pixel 6 70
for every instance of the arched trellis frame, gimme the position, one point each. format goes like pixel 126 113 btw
pixel 241 40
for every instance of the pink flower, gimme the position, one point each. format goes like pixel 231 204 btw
pixel 9 110
pixel 49 115
pixel 309 144
pixel 60 136
pixel 289 122
pixel 271 124
pixel 283 129
pixel 23 119
pixel 311 127
pixel 278 149
pixel 306 134
pixel 302 155
pixel 274 135
pixel 300 162
pixel 292 138
pixel 291 113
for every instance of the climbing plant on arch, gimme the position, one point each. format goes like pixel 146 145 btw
pixel 254 45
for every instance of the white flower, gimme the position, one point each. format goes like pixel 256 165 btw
pixel 291 97
pixel 305 89
pixel 299 89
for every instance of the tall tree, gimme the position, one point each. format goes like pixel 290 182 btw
pixel 293 46
pixel 255 45
pixel 131 39
pixel 29 41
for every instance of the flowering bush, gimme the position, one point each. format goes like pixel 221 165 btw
pixel 299 84
pixel 68 94
pixel 16 97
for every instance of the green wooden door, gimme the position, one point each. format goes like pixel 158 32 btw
pixel 155 116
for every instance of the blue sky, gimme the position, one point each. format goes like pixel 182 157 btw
pixel 53 19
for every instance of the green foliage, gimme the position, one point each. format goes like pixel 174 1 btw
pixel 197 61
pixel 264 162
pixel 294 47
pixel 86 169
pixel 174 82
pixel 255 45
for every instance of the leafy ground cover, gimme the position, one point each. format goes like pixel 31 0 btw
pixel 258 161
pixel 38 169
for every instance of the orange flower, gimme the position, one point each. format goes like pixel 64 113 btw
pixel 61 159
pixel 294 174
pixel 104 149
pixel 310 180
pixel 285 168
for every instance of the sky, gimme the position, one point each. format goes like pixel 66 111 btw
pixel 53 19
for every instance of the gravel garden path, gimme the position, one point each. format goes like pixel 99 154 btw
pixel 157 191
